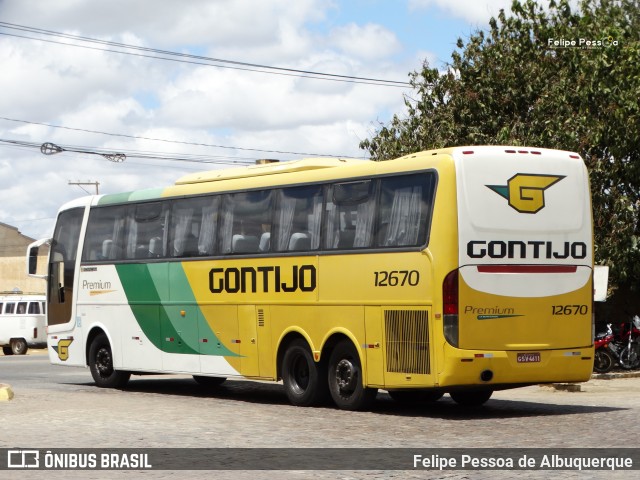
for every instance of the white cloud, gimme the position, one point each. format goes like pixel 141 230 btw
pixel 170 22
pixel 368 42
pixel 477 12
pixel 92 90
pixel 474 11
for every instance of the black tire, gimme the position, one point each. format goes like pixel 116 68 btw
pixel 471 398
pixel 412 397
pixel 346 382
pixel 19 346
pixel 603 361
pixel 7 350
pixel 101 365
pixel 630 357
pixel 305 381
pixel 209 382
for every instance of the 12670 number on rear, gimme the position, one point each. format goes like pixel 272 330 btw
pixel 569 309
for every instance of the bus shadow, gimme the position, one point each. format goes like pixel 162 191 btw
pixel 446 409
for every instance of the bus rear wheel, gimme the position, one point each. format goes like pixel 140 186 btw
pixel 304 379
pixel 101 365
pixel 7 350
pixel 346 382
pixel 19 346
pixel 471 398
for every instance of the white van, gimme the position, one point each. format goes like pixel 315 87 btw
pixel 22 322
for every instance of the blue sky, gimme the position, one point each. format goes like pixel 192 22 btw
pixel 175 118
pixel 419 29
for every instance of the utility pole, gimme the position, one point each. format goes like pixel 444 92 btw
pixel 80 184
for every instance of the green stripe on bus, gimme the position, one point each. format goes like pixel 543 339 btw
pixel 115 198
pixel 161 322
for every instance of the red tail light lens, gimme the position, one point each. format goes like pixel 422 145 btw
pixel 450 293
pixel 450 308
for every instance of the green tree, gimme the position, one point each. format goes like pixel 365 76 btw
pixel 519 83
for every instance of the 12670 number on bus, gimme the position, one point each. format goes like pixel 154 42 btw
pixel 396 278
pixel 569 309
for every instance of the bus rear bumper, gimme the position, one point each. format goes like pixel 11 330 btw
pixel 498 369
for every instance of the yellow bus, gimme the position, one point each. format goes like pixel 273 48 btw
pixel 461 271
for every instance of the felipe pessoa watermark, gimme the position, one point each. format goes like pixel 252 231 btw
pixel 583 43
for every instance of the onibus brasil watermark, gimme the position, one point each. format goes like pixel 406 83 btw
pixel 578 459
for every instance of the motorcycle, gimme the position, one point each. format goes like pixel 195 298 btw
pixel 603 358
pixel 630 354
pixel 621 347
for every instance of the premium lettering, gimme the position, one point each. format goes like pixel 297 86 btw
pixel 262 279
pixel 99 285
pixel 526 249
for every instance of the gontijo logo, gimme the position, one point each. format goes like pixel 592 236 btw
pixel 62 349
pixel 525 191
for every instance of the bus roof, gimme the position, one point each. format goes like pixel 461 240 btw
pixel 273 168
pixel 312 169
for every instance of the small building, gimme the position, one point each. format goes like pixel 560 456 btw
pixel 13 265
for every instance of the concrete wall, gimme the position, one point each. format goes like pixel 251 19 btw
pixel 13 266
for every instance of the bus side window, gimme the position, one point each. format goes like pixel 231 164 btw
pixel 404 211
pixel 246 217
pixel 10 307
pixel 22 308
pixel 350 215
pixel 1 308
pixel 193 229
pixel 146 222
pixel 105 234
pixel 298 218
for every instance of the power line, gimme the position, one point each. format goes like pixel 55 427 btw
pixel 123 135
pixel 192 59
pixel 142 154
pixel 108 154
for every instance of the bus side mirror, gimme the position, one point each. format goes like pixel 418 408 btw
pixel 32 257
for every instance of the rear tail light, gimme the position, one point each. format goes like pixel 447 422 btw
pixel 35 332
pixel 450 307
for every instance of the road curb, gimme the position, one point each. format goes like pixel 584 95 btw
pixel 564 387
pixel 6 393
pixel 611 376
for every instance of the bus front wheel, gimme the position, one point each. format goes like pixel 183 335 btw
pixel 346 382
pixel 101 365
pixel 304 379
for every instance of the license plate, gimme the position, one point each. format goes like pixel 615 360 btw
pixel 528 357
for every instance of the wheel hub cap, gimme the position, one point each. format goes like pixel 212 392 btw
pixel 345 375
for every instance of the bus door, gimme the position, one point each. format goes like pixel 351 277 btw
pixel 65 346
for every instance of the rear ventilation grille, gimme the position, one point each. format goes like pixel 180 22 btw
pixel 260 317
pixel 407 341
